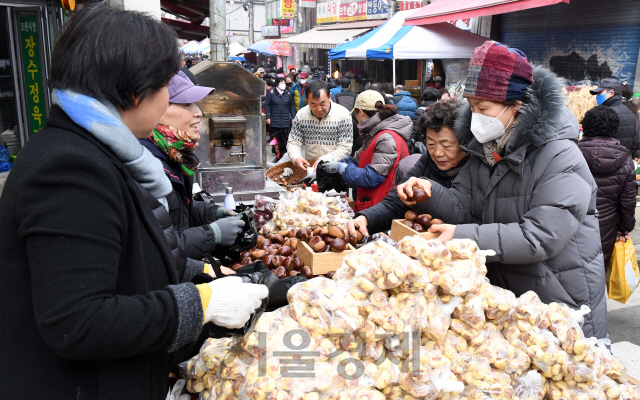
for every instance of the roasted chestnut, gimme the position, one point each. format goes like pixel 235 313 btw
pixel 280 272
pixel 319 247
pixel 419 195
pixel 276 245
pixel 259 255
pixel 410 215
pixel 245 254
pixel 329 239
pixel 418 228
pixel 246 261
pixel 265 243
pixel 336 232
pixel 424 220
pixel 408 223
pixel 353 241
pixel 268 261
pixel 294 244
pixel 283 233
pixel 294 273
pixel 291 233
pixel 287 242
pixel 436 221
pixel 296 264
pixel 314 240
pixel 306 271
pixel 330 274
pixel 259 240
pixel 285 251
pixel 287 263
pixel 277 261
pixel 277 238
pixel 303 234
pixel 338 245
pixel 317 231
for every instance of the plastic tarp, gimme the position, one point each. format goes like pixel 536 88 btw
pixel 234 59
pixel 197 47
pixel 394 40
pixel 190 45
pixel 262 47
pixel 442 11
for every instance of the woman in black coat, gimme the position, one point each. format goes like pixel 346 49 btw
pixel 441 164
pixel 612 168
pixel 93 304
pixel 280 110
pixel 200 226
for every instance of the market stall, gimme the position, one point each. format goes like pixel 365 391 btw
pixel 395 41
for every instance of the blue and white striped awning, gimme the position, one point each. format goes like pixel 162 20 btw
pixel 393 40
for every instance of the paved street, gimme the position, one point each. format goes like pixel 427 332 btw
pixel 624 321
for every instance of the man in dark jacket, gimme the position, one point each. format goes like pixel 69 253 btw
pixel 345 97
pixel 612 168
pixel 608 94
pixel 406 104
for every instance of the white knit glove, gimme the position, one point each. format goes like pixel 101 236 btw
pixel 232 301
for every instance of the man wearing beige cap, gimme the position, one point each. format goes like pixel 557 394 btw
pixel 373 168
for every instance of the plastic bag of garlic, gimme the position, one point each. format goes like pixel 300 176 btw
pixel 419 321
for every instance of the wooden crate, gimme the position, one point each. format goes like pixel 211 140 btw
pixel 321 263
pixel 400 230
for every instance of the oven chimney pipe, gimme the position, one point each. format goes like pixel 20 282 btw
pixel 217 30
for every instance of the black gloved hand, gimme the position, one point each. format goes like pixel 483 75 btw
pixel 226 230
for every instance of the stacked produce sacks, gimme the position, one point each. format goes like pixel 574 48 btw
pixel 419 321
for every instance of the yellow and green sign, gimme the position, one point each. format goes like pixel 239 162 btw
pixel 32 71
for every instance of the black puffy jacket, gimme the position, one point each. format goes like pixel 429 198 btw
pixel 379 217
pixel 612 169
pixel 279 108
pixel 190 218
pixel 416 118
pixel 628 129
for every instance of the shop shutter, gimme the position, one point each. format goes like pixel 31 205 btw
pixel 586 39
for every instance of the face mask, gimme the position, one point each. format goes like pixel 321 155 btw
pixel 303 81
pixel 486 128
pixel 289 84
pixel 601 98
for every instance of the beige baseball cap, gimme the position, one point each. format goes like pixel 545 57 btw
pixel 367 100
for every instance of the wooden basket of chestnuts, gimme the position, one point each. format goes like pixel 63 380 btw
pixel 414 224
pixel 324 250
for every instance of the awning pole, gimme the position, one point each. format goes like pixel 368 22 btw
pixel 394 72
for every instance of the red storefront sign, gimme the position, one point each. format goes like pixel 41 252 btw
pixel 280 48
pixel 353 11
pixel 407 5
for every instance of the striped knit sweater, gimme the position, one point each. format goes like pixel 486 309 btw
pixel 326 139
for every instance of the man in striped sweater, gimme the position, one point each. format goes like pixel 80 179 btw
pixel 322 127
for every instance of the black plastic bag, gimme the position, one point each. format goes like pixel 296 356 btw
pixel 246 240
pixel 248 277
pixel 278 288
pixel 328 181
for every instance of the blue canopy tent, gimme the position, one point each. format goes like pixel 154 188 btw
pixel 262 47
pixel 395 41
pixel 234 59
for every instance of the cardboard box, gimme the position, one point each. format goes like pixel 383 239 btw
pixel 400 230
pixel 321 263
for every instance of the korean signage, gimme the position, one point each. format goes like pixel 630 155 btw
pixel 286 25
pixel 272 12
pixel 270 31
pixel 407 5
pixel 353 11
pixel 377 9
pixel 280 48
pixel 308 3
pixel 32 69
pixel 288 8
pixel 328 12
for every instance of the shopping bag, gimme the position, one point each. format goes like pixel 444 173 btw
pixel 622 272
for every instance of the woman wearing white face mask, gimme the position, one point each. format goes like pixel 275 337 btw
pixel 280 110
pixel 526 191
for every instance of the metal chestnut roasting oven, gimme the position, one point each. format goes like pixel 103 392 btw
pixel 232 149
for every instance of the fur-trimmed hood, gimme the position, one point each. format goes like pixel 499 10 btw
pixel 542 118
